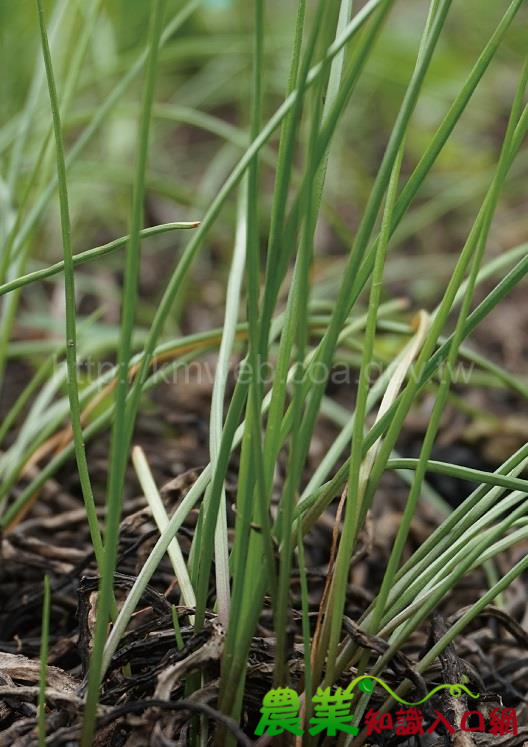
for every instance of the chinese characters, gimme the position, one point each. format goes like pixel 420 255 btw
pixel 332 715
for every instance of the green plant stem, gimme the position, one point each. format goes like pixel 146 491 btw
pixel 69 292
pixel 343 302
pixel 414 182
pixel 462 473
pixel 216 429
pixel 44 644
pixel 357 482
pixel 479 245
pixel 121 435
pixel 208 219
pixel 90 254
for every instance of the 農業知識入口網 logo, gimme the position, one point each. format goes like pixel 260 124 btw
pixel 332 715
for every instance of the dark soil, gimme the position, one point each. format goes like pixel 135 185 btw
pixel 53 539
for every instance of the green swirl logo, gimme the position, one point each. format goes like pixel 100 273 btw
pixel 366 684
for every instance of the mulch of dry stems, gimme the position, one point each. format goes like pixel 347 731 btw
pixel 151 706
